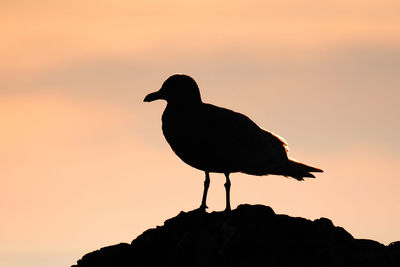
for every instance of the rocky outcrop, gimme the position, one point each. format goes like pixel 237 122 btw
pixel 251 235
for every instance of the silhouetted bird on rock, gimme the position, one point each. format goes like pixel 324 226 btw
pixel 215 139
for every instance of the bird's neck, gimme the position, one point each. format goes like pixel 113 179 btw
pixel 184 105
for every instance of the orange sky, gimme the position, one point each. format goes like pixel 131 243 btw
pixel 83 163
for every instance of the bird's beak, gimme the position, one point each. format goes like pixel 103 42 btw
pixel 153 96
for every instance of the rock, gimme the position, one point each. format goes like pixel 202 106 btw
pixel 251 235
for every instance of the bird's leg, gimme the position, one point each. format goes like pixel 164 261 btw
pixel 227 188
pixel 203 205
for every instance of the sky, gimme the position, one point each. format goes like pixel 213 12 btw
pixel 84 164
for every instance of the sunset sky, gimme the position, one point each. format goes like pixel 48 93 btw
pixel 84 164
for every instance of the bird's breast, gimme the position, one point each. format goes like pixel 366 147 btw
pixel 181 129
pixel 194 138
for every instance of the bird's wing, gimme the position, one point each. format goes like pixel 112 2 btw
pixel 235 139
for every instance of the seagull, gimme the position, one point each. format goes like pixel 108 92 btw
pixel 219 140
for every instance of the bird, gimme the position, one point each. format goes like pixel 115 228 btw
pixel 218 140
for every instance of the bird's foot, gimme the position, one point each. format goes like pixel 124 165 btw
pixel 202 208
pixel 227 209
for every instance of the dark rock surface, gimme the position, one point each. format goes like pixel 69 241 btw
pixel 251 235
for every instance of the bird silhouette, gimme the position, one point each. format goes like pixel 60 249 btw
pixel 215 139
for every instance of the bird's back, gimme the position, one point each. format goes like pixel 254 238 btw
pixel 216 139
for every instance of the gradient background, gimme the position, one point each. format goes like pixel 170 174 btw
pixel 84 164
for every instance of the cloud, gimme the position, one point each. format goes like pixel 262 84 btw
pixel 42 35
pixel 344 95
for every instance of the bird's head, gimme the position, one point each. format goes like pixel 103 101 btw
pixel 178 89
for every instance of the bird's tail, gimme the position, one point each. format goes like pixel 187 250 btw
pixel 298 170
